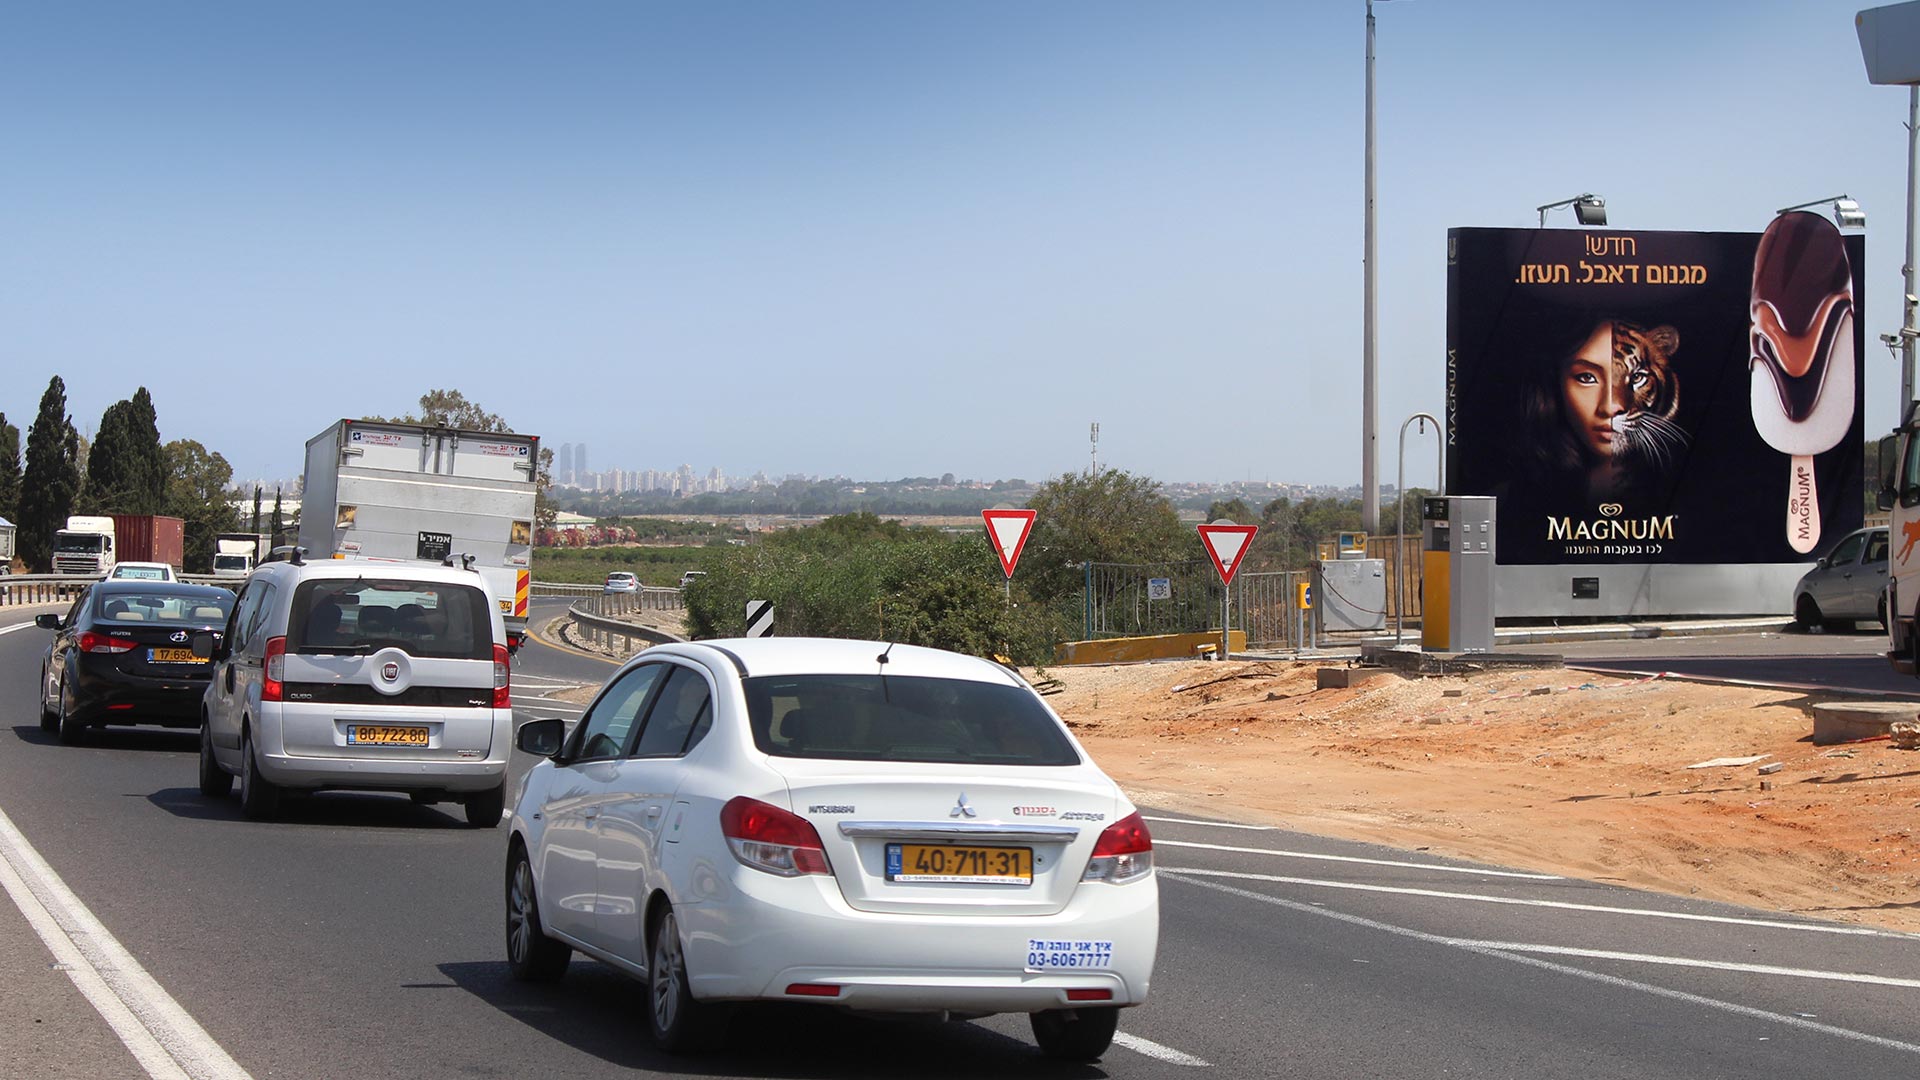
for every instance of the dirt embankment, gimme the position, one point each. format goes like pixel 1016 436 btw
pixel 1555 770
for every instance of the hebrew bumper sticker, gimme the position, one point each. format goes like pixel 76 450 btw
pixel 1047 955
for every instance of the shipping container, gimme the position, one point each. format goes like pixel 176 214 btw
pixel 149 538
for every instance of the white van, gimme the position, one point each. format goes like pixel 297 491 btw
pixel 350 675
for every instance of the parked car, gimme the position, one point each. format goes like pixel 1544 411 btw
pixel 1848 584
pixel 883 828
pixel 621 581
pixel 691 576
pixel 142 571
pixel 344 674
pixel 122 654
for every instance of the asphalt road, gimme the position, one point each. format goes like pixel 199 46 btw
pixel 361 937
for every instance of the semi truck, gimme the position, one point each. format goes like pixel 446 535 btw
pixel 236 554
pixel 417 492
pixel 93 543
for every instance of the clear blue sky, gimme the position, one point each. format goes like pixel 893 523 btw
pixel 875 239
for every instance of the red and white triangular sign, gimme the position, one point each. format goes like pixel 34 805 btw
pixel 1225 546
pixel 1007 530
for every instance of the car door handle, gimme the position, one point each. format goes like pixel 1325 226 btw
pixel 653 814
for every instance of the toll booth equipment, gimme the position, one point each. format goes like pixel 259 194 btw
pixel 1350 592
pixel 1457 560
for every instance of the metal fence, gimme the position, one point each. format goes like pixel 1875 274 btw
pixel 645 598
pixel 1133 599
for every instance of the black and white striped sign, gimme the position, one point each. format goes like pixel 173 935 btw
pixel 759 618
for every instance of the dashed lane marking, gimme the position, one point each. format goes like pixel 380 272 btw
pixel 1209 824
pixel 1182 872
pixel 1496 951
pixel 15 626
pixel 1683 961
pixel 1283 854
pixel 1157 1052
pixel 163 1037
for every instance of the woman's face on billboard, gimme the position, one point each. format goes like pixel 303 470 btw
pixel 1591 392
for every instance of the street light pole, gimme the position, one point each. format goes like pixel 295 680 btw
pixel 1369 406
pixel 1908 332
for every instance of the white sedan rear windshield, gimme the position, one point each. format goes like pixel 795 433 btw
pixel 903 718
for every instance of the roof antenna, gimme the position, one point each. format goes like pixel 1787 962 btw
pixel 885 693
pixel 882 658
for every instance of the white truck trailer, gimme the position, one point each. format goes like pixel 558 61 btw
pixel 411 492
pixel 6 546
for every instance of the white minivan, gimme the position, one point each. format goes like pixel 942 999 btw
pixel 351 675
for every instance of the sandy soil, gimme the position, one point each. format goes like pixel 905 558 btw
pixel 1554 770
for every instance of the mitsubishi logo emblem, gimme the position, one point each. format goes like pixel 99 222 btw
pixel 961 808
pixel 177 636
pixel 390 672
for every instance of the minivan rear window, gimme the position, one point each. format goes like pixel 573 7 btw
pixel 434 619
pixel 903 718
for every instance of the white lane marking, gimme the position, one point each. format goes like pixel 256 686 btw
pixel 1283 854
pixel 1565 905
pixel 1683 961
pixel 1210 824
pixel 1159 1053
pixel 15 626
pixel 1802 1023
pixel 166 1040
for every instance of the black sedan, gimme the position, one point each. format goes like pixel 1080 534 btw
pixel 123 654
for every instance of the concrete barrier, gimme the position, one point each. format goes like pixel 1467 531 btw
pixel 1152 647
pixel 1837 722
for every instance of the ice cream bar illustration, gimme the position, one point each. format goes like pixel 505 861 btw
pixel 1802 366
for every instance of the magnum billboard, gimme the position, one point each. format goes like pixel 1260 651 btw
pixel 1637 397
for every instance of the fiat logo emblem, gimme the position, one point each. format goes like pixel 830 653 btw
pixel 390 672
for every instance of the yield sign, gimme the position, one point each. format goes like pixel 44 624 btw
pixel 1225 545
pixel 1008 529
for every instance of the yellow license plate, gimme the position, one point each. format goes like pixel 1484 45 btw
pixel 175 656
pixel 960 863
pixel 382 735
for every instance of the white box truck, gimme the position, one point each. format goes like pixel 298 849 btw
pixel 236 554
pixel 6 546
pixel 411 492
pixel 85 546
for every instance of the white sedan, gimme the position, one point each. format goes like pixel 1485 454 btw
pixel 883 828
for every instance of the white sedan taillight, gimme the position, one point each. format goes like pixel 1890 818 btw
pixel 768 838
pixel 1123 853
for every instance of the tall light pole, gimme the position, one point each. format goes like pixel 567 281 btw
pixel 1369 328
pixel 1890 45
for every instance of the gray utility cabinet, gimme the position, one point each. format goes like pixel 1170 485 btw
pixel 1457 566
pixel 1352 594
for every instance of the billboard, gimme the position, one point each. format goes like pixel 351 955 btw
pixel 1658 397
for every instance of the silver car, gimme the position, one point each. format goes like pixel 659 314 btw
pixel 1847 585
pixel 359 675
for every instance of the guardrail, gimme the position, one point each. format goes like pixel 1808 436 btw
pixel 605 631
pixel 21 589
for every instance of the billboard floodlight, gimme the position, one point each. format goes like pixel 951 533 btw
pixel 1588 209
pixel 1846 213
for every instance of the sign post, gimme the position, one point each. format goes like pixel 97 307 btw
pixel 1007 531
pixel 1226 544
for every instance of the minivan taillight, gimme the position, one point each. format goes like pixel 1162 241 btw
pixel 1123 853
pixel 502 678
pixel 768 838
pixel 274 675
pixel 88 641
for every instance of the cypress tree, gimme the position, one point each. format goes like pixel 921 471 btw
pixel 51 479
pixel 9 470
pixel 278 521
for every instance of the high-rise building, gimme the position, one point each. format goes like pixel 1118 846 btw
pixel 580 460
pixel 563 465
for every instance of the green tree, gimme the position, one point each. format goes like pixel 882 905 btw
pixel 196 492
pixel 1110 516
pixel 1235 510
pixel 278 522
pixel 51 480
pixel 9 469
pixel 255 526
pixel 126 468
